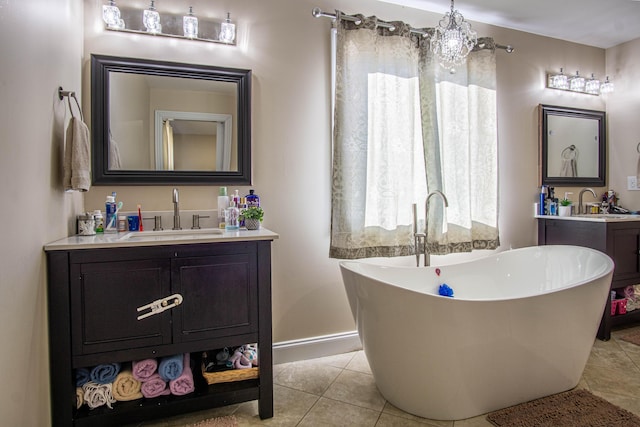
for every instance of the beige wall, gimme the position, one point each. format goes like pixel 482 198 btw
pixel 41 45
pixel 623 113
pixel 288 51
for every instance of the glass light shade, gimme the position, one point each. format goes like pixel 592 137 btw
pixel 227 30
pixel 151 19
pixel 577 83
pixel 190 24
pixel 559 81
pixel 453 40
pixel 606 87
pixel 111 15
pixel 592 86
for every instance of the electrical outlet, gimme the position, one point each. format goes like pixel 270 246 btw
pixel 632 183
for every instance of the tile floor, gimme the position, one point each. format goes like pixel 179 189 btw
pixel 340 391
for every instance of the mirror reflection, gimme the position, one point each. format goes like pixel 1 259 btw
pixel 572 146
pixel 156 122
pixel 171 123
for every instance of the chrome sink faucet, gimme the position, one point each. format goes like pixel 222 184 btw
pixel 580 198
pixel 176 210
pixel 420 239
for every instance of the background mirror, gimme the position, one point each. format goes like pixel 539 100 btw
pixel 167 123
pixel 572 146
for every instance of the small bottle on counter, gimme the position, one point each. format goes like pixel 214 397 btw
pixel 110 225
pixel 253 199
pixel 99 220
pixel 223 204
pixel 232 217
pixel 122 223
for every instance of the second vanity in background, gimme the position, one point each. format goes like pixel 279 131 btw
pixel 616 235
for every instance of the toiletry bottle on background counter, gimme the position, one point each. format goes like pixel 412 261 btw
pixel 543 197
pixel 231 217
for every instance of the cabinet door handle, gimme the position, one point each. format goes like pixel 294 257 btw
pixel 160 305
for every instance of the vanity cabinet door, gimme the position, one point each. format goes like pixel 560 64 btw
pixel 219 296
pixel 625 252
pixel 104 301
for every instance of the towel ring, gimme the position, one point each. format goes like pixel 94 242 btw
pixel 571 152
pixel 70 94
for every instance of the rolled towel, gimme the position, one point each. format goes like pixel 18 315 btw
pixel 82 376
pixel 96 395
pixel 184 383
pixel 154 386
pixel 171 367
pixel 105 373
pixel 143 369
pixel 126 387
pixel 79 397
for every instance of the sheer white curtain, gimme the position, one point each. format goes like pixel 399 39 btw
pixel 404 126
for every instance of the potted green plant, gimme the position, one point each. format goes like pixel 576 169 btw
pixel 565 207
pixel 253 217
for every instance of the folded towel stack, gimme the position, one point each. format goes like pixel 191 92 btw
pixel 143 369
pixel 126 387
pixel 107 383
pixel 105 373
pixel 184 383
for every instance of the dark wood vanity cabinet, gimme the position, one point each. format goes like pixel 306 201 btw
pixel 620 240
pixel 94 295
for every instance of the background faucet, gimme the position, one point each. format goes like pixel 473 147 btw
pixel 580 198
pixel 420 239
pixel 176 210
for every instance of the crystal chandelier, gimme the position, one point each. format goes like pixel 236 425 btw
pixel 577 83
pixel 111 16
pixel 453 39
pixel 606 87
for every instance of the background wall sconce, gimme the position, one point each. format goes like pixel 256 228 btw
pixel 578 84
pixel 151 22
pixel 228 30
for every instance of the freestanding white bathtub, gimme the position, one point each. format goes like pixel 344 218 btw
pixel 520 326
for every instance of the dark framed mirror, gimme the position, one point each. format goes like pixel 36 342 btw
pixel 572 146
pixel 166 123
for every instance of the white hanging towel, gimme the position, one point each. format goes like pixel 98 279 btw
pixel 77 161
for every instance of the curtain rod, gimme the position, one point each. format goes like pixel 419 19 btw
pixel 317 13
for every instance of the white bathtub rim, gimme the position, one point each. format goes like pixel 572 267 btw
pixel 607 269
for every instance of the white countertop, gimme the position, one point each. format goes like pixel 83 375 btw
pixel 593 217
pixel 156 238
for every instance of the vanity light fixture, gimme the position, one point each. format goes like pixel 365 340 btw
pixel 577 83
pixel 606 87
pixel 592 86
pixel 227 30
pixel 190 24
pixel 453 40
pixel 167 24
pixel 558 81
pixel 151 19
pixel 111 15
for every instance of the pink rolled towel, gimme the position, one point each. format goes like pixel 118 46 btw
pixel 184 383
pixel 142 370
pixel 154 386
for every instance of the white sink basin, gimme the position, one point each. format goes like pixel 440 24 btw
pixel 173 234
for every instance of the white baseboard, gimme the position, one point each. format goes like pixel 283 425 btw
pixel 313 347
